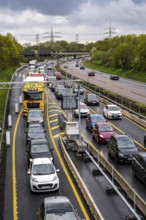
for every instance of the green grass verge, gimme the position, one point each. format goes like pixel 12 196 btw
pixel 5 76
pixel 139 76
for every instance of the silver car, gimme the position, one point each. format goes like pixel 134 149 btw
pixel 35 116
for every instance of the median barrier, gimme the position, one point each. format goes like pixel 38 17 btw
pixel 86 194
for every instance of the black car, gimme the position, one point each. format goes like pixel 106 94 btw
pixel 91 99
pixel 35 131
pixel 82 67
pixel 114 77
pixel 58 206
pixel 139 166
pixel 145 140
pixel 38 148
pixel 122 148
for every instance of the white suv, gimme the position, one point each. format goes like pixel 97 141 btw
pixel 43 175
pixel 112 112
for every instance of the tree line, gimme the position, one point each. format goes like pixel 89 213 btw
pixel 10 51
pixel 125 52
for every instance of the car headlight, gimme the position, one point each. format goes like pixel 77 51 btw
pixel 121 155
pixel 34 179
pixel 101 136
pixel 54 178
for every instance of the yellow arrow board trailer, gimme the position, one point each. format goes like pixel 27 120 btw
pixel 33 93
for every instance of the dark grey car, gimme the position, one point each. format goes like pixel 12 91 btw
pixel 122 148
pixel 139 166
pixel 34 131
pixel 58 206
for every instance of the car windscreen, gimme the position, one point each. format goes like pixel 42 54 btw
pixel 105 128
pixel 125 142
pixel 113 108
pixel 32 95
pixel 61 216
pixel 43 169
pixel 83 107
pixel 39 148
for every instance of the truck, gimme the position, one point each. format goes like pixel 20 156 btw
pixel 73 140
pixel 33 93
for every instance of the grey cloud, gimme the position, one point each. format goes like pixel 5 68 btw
pixel 139 1
pixel 47 7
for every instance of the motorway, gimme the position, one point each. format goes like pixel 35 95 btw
pixel 130 89
pixel 22 204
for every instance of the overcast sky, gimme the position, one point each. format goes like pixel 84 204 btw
pixel 71 20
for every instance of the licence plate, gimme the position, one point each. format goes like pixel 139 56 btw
pixel 45 187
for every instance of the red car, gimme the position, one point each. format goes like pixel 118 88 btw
pixel 102 132
pixel 91 74
pixel 58 75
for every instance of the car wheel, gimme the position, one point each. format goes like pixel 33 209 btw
pixel 86 126
pixel 134 172
pixel 109 154
pixel 93 136
pixel 116 159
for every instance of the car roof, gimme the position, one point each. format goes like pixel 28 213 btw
pixel 121 135
pixel 57 203
pixel 41 160
pixel 39 141
pixel 96 115
pixel 103 123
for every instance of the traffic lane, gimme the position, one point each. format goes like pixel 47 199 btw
pixel 127 90
pixel 73 192
pixel 124 126
pixel 124 169
pixel 14 98
pixel 111 206
pixel 31 201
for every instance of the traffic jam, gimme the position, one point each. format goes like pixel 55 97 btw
pixel 42 170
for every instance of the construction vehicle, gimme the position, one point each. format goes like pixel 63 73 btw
pixel 33 93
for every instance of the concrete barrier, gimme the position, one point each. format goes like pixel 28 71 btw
pixel 86 194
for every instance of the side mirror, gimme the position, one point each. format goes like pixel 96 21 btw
pixel 28 172
pixel 57 170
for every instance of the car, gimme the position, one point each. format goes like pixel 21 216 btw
pixel 91 99
pixel 114 77
pixel 144 140
pixel 57 87
pixel 82 67
pixel 91 73
pixel 76 65
pixel 92 119
pixel 43 175
pixel 63 92
pixel 77 89
pixel 38 148
pixel 49 68
pixel 84 111
pixel 35 131
pixel 111 111
pixel 58 206
pixel 58 75
pixel 35 115
pixel 122 148
pixel 139 166
pixel 102 132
